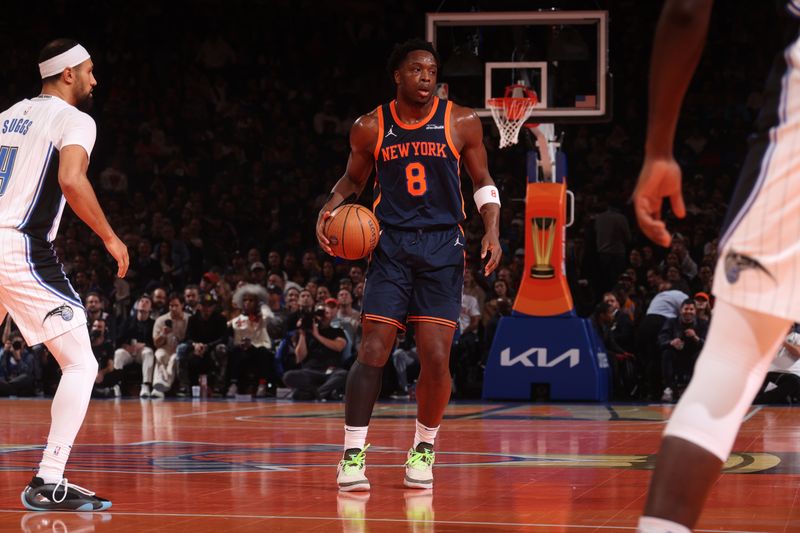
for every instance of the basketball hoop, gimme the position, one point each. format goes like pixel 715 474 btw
pixel 510 111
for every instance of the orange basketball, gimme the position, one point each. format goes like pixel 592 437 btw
pixel 353 231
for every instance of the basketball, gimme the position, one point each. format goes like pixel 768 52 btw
pixel 353 231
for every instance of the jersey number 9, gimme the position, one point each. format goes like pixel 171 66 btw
pixel 7 156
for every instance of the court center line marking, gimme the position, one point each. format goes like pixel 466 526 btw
pixel 387 520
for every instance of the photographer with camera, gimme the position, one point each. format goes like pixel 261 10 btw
pixel 319 353
pixel 168 330
pixel 681 340
pixel 16 368
pixel 106 384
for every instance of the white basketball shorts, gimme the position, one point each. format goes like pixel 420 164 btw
pixel 759 263
pixel 34 289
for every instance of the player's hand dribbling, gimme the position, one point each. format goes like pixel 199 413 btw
pixel 491 244
pixel 659 178
pixel 119 252
pixel 321 238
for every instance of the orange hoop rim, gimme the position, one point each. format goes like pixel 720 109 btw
pixel 514 107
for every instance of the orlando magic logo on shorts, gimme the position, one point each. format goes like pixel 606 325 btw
pixel 64 311
pixel 735 263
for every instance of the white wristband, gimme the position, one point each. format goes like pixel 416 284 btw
pixel 486 195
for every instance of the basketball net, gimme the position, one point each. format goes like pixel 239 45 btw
pixel 511 111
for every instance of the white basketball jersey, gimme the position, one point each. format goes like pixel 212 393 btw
pixel 32 133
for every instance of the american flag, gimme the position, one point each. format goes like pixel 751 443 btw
pixel 585 101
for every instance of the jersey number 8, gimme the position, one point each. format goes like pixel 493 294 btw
pixel 7 156
pixel 415 179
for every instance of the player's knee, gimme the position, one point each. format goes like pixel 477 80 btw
pixel 374 351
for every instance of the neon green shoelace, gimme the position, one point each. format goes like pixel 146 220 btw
pixel 356 461
pixel 424 458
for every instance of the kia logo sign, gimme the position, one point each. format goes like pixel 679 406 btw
pixel 541 358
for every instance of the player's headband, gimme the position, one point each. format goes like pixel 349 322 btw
pixel 56 65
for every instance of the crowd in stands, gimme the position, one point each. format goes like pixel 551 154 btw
pixel 218 143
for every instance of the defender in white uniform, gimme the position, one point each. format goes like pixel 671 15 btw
pixel 45 144
pixel 757 281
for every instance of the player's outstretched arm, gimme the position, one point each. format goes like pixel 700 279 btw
pixel 679 41
pixel 363 138
pixel 468 129
pixel 72 166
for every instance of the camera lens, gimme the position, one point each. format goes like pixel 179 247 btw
pixel 17 345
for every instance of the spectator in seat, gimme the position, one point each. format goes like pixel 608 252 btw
pixel 191 299
pixel 160 303
pixel 703 303
pixel 251 347
pixel 135 343
pixel 208 284
pixel 169 330
pixel 291 298
pixel 258 273
pixel 356 274
pixel 95 309
pixel 17 368
pixel 106 384
pixel 681 339
pixel 204 349
pixel 621 360
pixel 621 326
pixel 472 288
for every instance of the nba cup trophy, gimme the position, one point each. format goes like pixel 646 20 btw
pixel 544 350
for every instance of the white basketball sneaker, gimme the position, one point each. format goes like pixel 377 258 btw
pixel 419 467
pixel 350 472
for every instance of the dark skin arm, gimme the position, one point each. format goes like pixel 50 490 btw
pixel 679 41
pixel 72 166
pixel 363 138
pixel 467 133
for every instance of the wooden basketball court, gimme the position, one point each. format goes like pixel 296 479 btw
pixel 199 466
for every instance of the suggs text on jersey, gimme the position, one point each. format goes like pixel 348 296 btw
pixel 16 125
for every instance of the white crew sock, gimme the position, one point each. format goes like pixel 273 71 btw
pixel 425 434
pixel 54 460
pixel 355 437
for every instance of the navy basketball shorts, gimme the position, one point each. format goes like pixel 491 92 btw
pixel 415 276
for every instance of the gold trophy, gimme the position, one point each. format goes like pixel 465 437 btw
pixel 543 233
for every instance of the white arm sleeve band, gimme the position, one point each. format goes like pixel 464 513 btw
pixel 486 195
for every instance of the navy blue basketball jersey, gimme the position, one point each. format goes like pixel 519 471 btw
pixel 418 183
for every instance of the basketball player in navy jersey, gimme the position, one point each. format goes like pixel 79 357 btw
pixel 756 282
pixel 416 143
pixel 45 144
